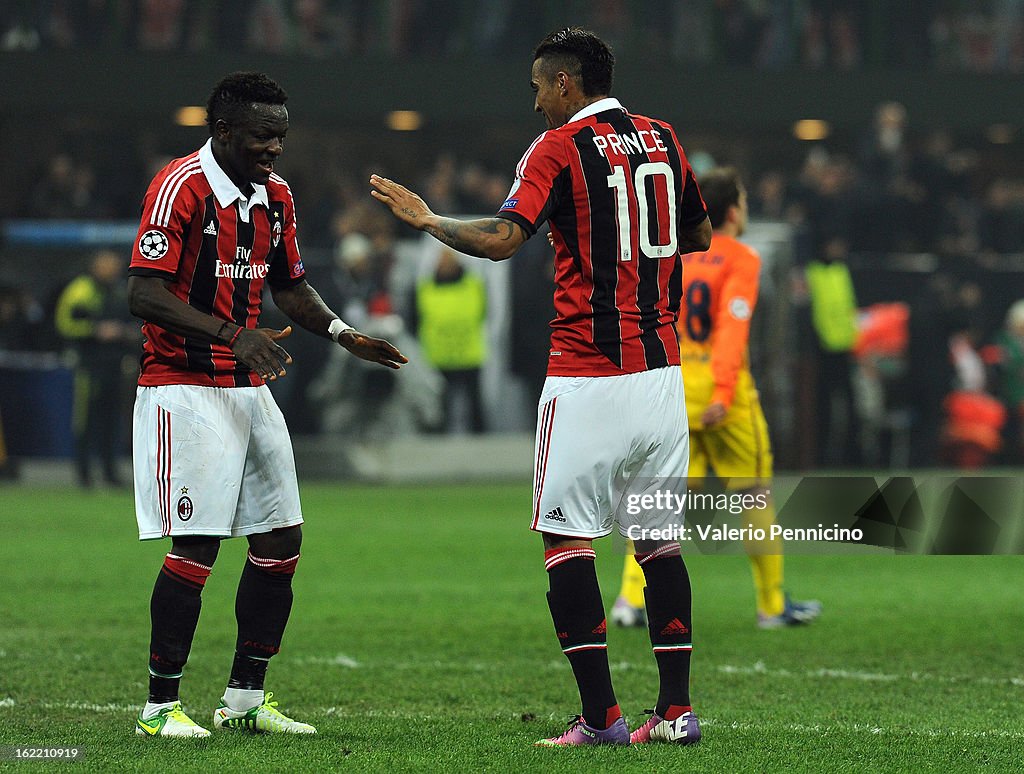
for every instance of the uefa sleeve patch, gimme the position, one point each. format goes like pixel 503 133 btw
pixel 153 245
pixel 739 308
pixel 511 202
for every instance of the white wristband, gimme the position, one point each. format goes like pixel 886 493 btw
pixel 337 327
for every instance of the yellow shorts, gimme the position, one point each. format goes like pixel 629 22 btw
pixel 738 449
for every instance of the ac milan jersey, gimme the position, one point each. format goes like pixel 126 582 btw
pixel 616 189
pixel 217 249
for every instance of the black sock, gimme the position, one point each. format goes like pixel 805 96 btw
pixel 578 614
pixel 669 622
pixel 174 612
pixel 248 673
pixel 262 606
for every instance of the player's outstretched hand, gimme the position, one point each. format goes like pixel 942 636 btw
pixel 405 205
pixel 258 349
pixel 374 350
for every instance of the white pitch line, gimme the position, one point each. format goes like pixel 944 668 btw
pixel 82 705
pixel 825 673
pixel 819 729
pixel 338 660
pixel 825 728
pixel 758 668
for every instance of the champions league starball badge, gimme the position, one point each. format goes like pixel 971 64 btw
pixel 153 245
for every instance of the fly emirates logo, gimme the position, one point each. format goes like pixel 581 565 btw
pixel 242 268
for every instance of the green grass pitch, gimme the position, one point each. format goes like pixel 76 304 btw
pixel 420 641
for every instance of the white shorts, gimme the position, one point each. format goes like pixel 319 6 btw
pixel 599 437
pixel 212 461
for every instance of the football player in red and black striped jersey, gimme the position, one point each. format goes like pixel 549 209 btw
pixel 622 205
pixel 211 450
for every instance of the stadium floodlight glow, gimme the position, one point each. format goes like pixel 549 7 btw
pixel 1000 134
pixel 404 120
pixel 190 115
pixel 811 129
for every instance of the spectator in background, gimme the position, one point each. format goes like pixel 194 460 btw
pixel 1010 343
pixel 21 29
pixel 360 402
pixel 22 324
pixel 825 204
pixel 270 27
pixel 451 310
pixel 92 317
pixel 53 195
pixel 934 316
pixel 834 316
pixel 739 27
pixel 974 418
pixel 67 190
pixel 316 27
pixel 1001 224
pixel 691 36
pixel 22 327
pixel 8 469
pixel 895 197
pixel 442 183
pixel 161 24
pixel 832 34
pixel 359 283
pixel 768 200
pixel 948 211
pixel 358 290
pixel 1008 24
pixel 845 37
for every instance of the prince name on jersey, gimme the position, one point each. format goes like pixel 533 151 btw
pixel 616 189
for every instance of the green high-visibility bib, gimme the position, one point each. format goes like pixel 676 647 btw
pixel 833 305
pixel 452 315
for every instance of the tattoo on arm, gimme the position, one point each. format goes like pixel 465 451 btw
pixel 472 236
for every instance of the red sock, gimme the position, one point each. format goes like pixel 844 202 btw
pixel 676 710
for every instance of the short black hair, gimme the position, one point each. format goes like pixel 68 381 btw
pixel 234 96
pixel 581 54
pixel 720 188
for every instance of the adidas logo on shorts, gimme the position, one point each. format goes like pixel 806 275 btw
pixel 555 515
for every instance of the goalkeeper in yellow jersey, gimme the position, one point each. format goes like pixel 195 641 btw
pixel 728 433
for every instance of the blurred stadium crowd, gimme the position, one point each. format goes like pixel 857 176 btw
pixel 983 36
pixel 934 373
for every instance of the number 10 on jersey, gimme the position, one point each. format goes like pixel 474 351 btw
pixel 617 180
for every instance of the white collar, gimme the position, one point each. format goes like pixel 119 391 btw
pixel 608 103
pixel 225 190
